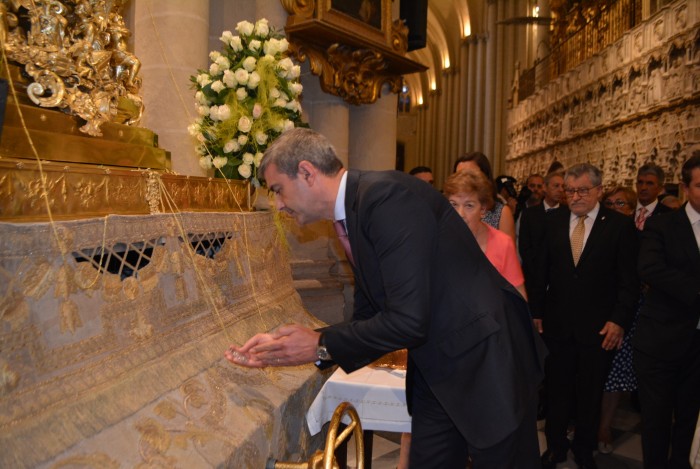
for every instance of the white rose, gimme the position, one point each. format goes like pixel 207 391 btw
pixel 248 158
pixel 262 28
pixel 200 137
pixel 257 111
pixel 214 112
pixel 201 98
pixel 284 66
pixel 250 63
pixel 231 146
pixel 274 93
pixel 241 76
pixel 271 46
pixel 278 125
pixel 293 105
pixel 244 124
pixel 241 94
pixel 223 63
pixel 229 79
pixel 295 88
pixel 218 86
pixel 205 162
pixel 288 125
pixel 294 72
pixel 193 129
pixel 203 110
pixel 283 45
pixel 279 102
pixel 261 137
pixel 258 158
pixel 254 45
pixel 245 171
pixel 245 28
pixel 220 161
pixel 226 37
pixel 253 80
pixel 224 112
pixel 242 139
pixel 213 55
pixel 203 79
pixel 236 44
pixel 214 69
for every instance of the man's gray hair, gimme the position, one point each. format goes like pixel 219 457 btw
pixel 578 170
pixel 297 145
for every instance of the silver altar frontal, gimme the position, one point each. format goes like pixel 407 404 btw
pixel 112 333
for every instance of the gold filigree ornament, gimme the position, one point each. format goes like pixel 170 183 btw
pixel 8 378
pixel 88 461
pixel 14 309
pixel 86 277
pixel 37 279
pixel 131 288
pixel 75 52
pixel 65 282
pixel 142 329
pixel 111 287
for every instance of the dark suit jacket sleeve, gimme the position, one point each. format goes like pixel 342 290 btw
pixel 397 239
pixel 627 279
pixel 662 254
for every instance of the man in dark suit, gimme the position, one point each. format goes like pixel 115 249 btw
pixel 667 338
pixel 532 221
pixel 582 296
pixel 421 283
pixel 650 184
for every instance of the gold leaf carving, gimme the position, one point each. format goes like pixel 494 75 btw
pixel 154 435
pixel 166 409
pixel 300 8
pixel 131 288
pixel 70 318
pixel 112 287
pixel 37 280
pixel 399 36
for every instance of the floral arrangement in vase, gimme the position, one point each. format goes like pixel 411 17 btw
pixel 247 98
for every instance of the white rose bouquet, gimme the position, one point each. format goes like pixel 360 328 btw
pixel 247 98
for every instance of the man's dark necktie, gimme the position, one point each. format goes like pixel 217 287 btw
pixel 339 226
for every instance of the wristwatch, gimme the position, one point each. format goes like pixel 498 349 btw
pixel 321 350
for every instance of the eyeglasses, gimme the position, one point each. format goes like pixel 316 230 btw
pixel 616 203
pixel 581 191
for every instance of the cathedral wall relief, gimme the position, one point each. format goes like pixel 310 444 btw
pixel 635 102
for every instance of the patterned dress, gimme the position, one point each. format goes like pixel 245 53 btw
pixel 622 377
pixel 493 216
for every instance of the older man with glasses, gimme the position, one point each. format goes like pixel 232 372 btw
pixel 582 295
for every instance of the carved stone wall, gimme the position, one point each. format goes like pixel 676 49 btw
pixel 635 102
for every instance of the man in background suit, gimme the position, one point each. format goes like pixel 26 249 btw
pixel 421 283
pixel 650 183
pixel 582 296
pixel 532 221
pixel 667 339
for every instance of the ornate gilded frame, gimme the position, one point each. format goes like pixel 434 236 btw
pixel 330 11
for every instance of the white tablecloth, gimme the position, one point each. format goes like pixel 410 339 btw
pixel 377 394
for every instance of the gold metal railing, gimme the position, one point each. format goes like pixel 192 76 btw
pixel 326 459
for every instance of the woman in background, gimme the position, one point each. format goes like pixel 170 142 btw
pixel 499 216
pixel 621 377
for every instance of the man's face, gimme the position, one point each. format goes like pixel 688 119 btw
pixel 554 190
pixel 427 177
pixel 692 190
pixel 536 186
pixel 648 188
pixel 293 196
pixel 581 194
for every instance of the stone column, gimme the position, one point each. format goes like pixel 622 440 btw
pixel 169 58
pixel 373 134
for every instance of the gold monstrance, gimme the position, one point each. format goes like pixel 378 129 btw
pixel 69 146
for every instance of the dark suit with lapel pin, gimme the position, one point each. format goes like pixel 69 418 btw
pixel 667 339
pixel 574 303
pixel 422 282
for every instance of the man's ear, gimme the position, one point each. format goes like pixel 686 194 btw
pixel 308 172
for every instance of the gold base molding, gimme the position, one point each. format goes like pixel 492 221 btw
pixel 80 190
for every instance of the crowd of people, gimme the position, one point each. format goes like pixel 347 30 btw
pixel 474 285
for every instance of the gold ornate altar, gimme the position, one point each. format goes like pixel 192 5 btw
pixel 112 338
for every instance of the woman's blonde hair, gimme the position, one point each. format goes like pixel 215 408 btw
pixel 470 181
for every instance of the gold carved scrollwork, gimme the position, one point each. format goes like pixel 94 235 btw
pixel 300 8
pixel 399 36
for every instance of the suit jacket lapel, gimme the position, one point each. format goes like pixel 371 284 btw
pixel 686 238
